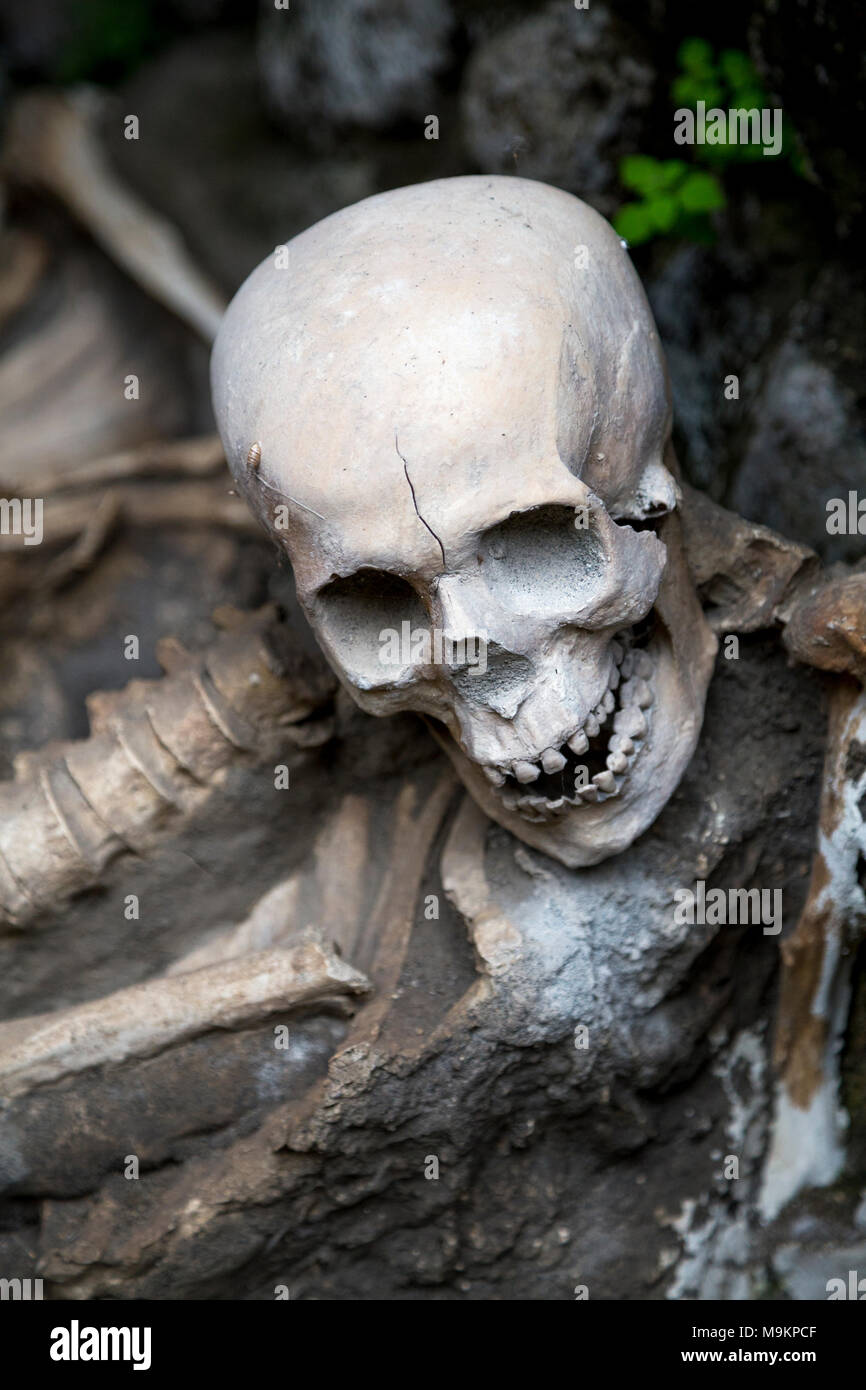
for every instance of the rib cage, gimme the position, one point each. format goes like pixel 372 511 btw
pixel 157 750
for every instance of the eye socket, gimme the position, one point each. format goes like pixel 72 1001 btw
pixel 541 557
pixel 359 610
pixel 651 522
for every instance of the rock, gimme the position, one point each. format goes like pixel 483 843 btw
pixel 34 39
pixel 808 1275
pixel 703 345
pixel 813 63
pixel 807 431
pixel 571 126
pixel 767 306
pixel 352 63
pixel 697 361
pixel 236 1076
pixel 209 161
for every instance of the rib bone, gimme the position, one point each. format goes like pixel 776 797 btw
pixel 155 754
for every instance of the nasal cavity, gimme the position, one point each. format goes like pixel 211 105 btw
pixel 494 677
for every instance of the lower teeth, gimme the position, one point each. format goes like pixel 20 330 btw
pixel 612 762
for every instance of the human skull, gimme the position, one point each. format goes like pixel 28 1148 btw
pixel 449 406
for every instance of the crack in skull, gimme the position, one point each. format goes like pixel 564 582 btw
pixel 528 388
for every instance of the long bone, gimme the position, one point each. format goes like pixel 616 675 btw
pixel 52 143
pixel 145 1018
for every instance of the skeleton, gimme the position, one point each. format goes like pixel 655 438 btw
pixel 452 409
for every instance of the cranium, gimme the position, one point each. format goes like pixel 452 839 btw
pixel 450 407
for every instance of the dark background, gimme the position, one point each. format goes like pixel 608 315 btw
pixel 257 122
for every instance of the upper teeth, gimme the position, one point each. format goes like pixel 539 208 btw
pixel 526 772
pixel 629 729
pixel 552 760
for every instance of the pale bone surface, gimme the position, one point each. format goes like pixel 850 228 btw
pixel 449 406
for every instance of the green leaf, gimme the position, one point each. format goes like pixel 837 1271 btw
pixel 738 69
pixel 749 99
pixel 633 222
pixel 689 90
pixel 696 56
pixel 672 172
pixel 663 211
pixel 701 192
pixel 640 172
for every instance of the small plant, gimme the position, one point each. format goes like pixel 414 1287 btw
pixel 731 83
pixel 674 197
